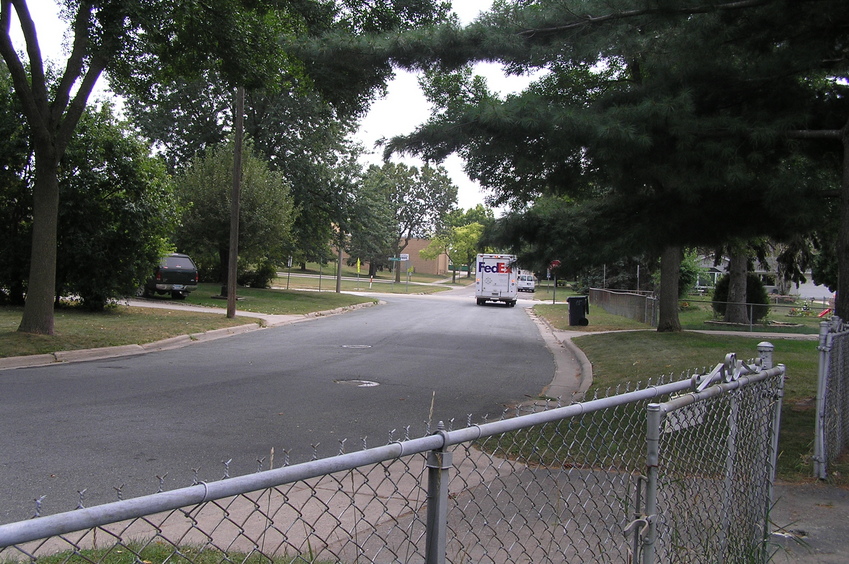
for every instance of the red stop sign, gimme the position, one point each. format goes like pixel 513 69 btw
pixel 555 263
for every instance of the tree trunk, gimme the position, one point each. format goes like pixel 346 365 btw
pixel 841 308
pixel 736 310
pixel 670 271
pixel 41 288
pixel 223 262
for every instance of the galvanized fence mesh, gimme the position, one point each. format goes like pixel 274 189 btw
pixel 716 510
pixel 571 483
pixel 831 435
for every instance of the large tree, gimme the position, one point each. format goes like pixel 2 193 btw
pixel 118 207
pixel 108 34
pixel 666 117
pixel 267 211
pixel 371 226
pixel 300 118
pixel 294 129
pixel 138 42
pixel 420 199
pixel 118 210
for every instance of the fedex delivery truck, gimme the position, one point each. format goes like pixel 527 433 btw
pixel 495 279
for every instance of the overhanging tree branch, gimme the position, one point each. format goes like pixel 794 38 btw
pixel 584 20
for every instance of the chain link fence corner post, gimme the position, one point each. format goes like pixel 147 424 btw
pixel 439 462
pixel 653 422
pixel 819 458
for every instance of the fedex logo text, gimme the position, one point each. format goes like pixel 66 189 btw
pixel 499 267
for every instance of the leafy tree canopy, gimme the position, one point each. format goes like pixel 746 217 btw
pixel 119 209
pixel 267 211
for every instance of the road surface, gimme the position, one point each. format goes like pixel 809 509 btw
pixel 128 426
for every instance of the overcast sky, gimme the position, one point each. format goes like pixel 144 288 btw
pixel 403 108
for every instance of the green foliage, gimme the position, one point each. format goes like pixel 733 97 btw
pixel 756 295
pixel 260 276
pixel 15 196
pixel 459 243
pixel 204 191
pixel 689 273
pixel 645 137
pixel 372 226
pixel 118 211
pixel 418 200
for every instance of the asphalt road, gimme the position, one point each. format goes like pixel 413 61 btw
pixel 129 425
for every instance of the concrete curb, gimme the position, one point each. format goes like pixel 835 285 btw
pixel 104 352
pixel 573 372
pixel 27 361
pixel 81 355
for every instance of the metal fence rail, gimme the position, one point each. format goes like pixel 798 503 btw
pixel 831 435
pixel 572 483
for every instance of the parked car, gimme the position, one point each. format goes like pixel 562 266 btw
pixel 176 274
pixel 527 283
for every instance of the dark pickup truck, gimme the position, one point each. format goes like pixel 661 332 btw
pixel 176 274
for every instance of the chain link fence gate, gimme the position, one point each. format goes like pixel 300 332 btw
pixel 831 434
pixel 569 484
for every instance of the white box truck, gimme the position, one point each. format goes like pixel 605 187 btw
pixel 495 279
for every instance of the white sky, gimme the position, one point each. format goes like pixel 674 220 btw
pixel 405 107
pixel 399 112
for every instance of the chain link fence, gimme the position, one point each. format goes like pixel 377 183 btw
pixel 831 435
pixel 639 306
pixel 572 483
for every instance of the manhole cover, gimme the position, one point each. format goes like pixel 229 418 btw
pixel 356 346
pixel 358 383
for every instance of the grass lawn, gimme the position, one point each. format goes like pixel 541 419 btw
pixel 382 285
pixel 76 328
pixel 273 301
pixel 298 278
pixel 643 353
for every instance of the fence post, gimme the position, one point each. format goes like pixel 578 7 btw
pixel 765 350
pixel 653 421
pixel 819 458
pixel 776 427
pixel 728 500
pixel 439 463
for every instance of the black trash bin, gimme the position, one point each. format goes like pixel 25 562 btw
pixel 579 307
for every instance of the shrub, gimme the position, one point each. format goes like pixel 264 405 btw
pixel 756 295
pixel 261 277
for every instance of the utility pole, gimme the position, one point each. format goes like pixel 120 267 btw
pixel 233 258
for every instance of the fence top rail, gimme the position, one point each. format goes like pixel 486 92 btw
pixel 90 517
pixel 713 391
pixel 641 293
